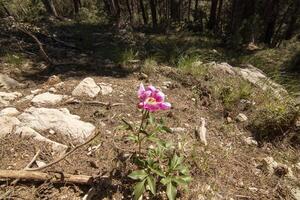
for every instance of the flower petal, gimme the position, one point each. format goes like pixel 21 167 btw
pixel 152 107
pixel 145 95
pixel 141 90
pixel 151 88
pixel 159 96
pixel 164 106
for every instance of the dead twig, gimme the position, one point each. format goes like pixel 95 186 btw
pixel 42 177
pixel 65 155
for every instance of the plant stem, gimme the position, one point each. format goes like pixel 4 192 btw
pixel 145 115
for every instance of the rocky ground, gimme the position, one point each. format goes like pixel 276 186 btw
pixel 54 115
pixel 88 92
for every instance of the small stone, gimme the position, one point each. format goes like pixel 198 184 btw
pixel 86 88
pixel 298 122
pixel 52 89
pixel 241 117
pixel 52 80
pixel 178 130
pixel 229 120
pixel 105 89
pixel 250 141
pixel 298 166
pixel 268 164
pixel 36 91
pixel 40 163
pixel 253 189
pixel 9 112
pixel 143 76
pixel 167 84
pixel 51 131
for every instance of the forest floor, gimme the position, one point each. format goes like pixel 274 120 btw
pixel 229 167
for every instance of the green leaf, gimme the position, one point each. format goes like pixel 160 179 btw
pixel 152 184
pixel 138 175
pixel 171 191
pixel 166 129
pixel 151 119
pixel 166 181
pixel 183 180
pixel 157 171
pixel 175 162
pixel 184 170
pixel 133 138
pixel 139 189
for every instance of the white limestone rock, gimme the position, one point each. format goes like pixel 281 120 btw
pixel 59 120
pixel 105 88
pixel 86 88
pixel 47 99
pixel 10 111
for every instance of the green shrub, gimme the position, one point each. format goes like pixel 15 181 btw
pixel 274 119
pixel 149 66
pixel 192 64
pixel 232 90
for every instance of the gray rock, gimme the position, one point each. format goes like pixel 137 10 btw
pixel 7 97
pixel 270 166
pixel 7 82
pixel 47 99
pixel 59 120
pixel 7 125
pixel 241 117
pixel 86 88
pixel 10 111
pixel 252 75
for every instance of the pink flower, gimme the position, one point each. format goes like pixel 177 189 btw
pixel 152 99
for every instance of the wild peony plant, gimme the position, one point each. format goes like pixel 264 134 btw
pixel 161 164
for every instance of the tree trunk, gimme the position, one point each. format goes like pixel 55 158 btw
pixel 49 5
pixel 196 10
pixel 213 14
pixel 129 10
pixel 144 14
pixel 189 10
pixel 77 5
pixel 292 22
pixel 175 10
pixel 271 11
pixel 153 13
pixel 220 6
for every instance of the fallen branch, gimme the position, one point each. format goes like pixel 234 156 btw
pixel 41 48
pixel 63 156
pixel 96 103
pixel 28 166
pixel 42 177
